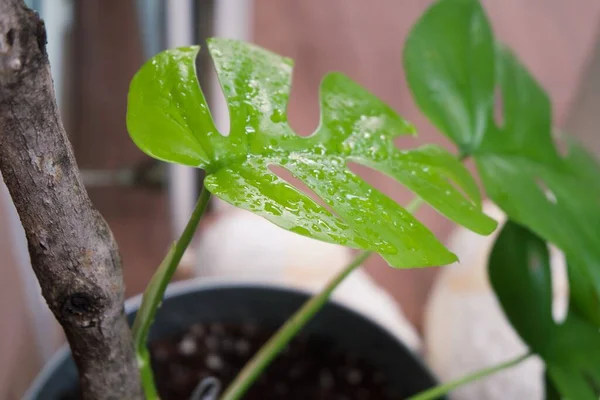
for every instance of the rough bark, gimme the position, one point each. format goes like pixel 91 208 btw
pixel 72 250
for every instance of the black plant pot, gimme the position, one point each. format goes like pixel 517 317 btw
pixel 191 302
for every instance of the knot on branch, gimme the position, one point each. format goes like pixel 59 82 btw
pixel 82 309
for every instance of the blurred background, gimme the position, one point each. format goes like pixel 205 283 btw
pixel 96 46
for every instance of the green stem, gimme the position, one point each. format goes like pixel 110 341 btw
pixel 154 293
pixel 445 388
pixel 282 337
pixel 290 329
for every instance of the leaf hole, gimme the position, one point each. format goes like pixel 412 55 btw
pixel 560 144
pixel 560 285
pixel 390 187
pixel 289 177
pixel 304 108
pixel 383 183
pixel 498 109
pixel 550 196
pixel 406 142
pixel 215 97
pixel 469 164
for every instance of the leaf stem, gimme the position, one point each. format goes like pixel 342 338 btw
pixel 440 390
pixel 292 326
pixel 282 337
pixel 155 291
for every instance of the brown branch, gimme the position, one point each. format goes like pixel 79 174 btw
pixel 72 250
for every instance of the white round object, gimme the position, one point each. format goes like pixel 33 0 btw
pixel 465 327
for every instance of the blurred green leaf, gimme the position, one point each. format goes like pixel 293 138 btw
pixel 583 163
pixel 519 271
pixel 574 363
pixel 550 391
pixel 523 173
pixel 449 65
pixel 449 58
pixel 584 300
pixel 168 118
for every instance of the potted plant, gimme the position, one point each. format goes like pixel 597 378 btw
pixel 358 127
pixel 453 65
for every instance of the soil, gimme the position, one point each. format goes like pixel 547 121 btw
pixel 308 369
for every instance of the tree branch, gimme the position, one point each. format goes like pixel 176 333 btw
pixel 72 250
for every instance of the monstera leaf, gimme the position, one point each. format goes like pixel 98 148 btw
pixel 168 118
pixel 519 267
pixel 454 67
pixel 450 57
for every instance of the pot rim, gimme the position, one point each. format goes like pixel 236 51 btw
pixel 183 287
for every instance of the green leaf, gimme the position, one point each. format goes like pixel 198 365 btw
pixel 574 363
pixel 570 384
pixel 526 177
pixel 553 198
pixel 449 65
pixel 551 393
pixel 583 163
pixel 519 271
pixel 584 299
pixel 558 198
pixel 168 118
pixel 523 173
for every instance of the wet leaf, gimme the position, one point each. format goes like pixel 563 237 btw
pixel 168 118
